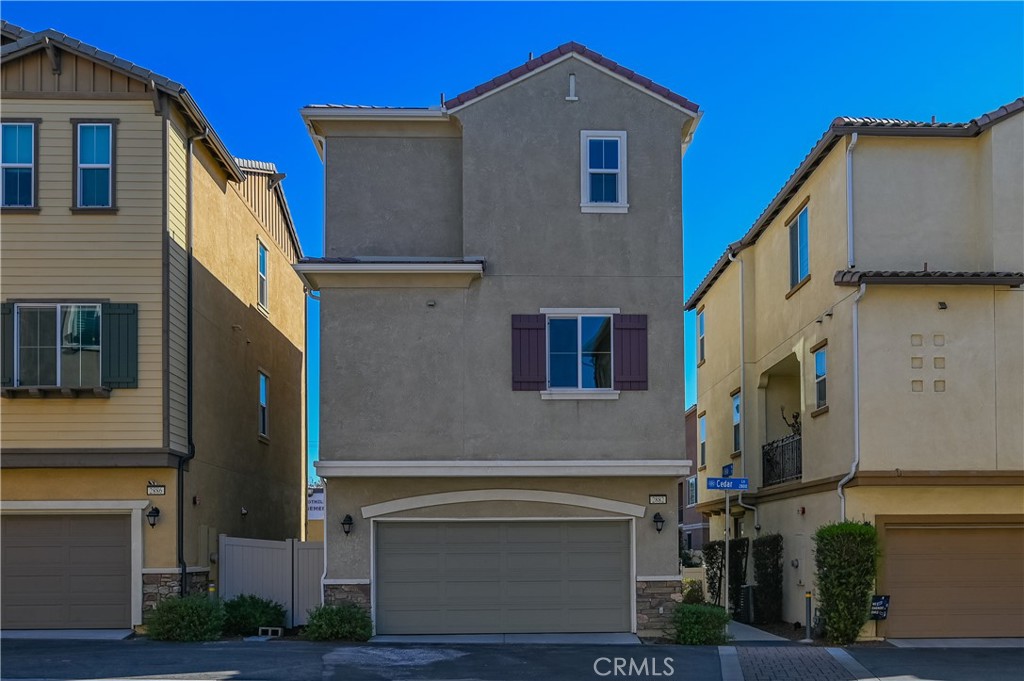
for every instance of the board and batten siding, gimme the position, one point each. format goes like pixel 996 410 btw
pixel 177 287
pixel 268 210
pixel 58 255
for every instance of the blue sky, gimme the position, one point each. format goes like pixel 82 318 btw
pixel 770 78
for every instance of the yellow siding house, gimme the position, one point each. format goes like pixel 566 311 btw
pixel 152 341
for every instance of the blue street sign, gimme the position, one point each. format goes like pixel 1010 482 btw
pixel 727 470
pixel 729 483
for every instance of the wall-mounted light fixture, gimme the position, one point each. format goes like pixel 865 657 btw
pixel 346 523
pixel 245 512
pixel 942 305
pixel 152 516
pixel 659 522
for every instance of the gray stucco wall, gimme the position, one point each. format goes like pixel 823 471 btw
pixel 389 196
pixel 403 380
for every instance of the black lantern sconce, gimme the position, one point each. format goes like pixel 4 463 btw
pixel 659 522
pixel 152 516
pixel 346 523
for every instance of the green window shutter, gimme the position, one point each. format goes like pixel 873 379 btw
pixel 120 341
pixel 7 344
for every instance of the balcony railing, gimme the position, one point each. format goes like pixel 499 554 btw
pixel 781 461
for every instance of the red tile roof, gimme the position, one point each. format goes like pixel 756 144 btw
pixel 583 51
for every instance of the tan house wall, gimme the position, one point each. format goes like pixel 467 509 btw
pixel 59 255
pixel 176 249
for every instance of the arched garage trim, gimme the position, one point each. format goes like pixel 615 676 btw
pixel 469 496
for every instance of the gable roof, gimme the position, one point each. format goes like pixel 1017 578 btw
pixel 268 168
pixel 11 32
pixel 30 42
pixel 560 52
pixel 842 126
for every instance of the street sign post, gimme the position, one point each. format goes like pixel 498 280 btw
pixel 729 483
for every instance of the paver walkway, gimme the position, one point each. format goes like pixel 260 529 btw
pixel 790 663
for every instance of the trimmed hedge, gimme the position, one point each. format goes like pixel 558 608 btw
pixel 345 622
pixel 714 565
pixel 700 625
pixel 846 557
pixel 193 618
pixel 245 614
pixel 767 550
pixel 738 551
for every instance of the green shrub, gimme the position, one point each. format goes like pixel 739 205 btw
pixel 245 614
pixel 738 550
pixel 193 618
pixel 846 558
pixel 714 566
pixel 767 551
pixel 700 625
pixel 693 592
pixel 345 622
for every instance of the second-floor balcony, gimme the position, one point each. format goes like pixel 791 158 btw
pixel 781 461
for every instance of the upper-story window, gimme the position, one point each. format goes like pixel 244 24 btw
pixel 736 425
pixel 603 171
pixel 18 152
pixel 799 261
pixel 262 288
pixel 691 491
pixel 700 335
pixel 57 345
pixel 702 439
pixel 820 377
pixel 580 352
pixel 264 414
pixel 94 164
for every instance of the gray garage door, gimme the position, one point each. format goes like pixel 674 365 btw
pixel 66 572
pixel 503 577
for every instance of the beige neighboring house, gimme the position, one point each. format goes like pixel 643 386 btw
pixel 501 352
pixel 152 341
pixel 877 307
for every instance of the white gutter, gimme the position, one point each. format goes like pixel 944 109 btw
pixel 743 396
pixel 856 403
pixel 849 202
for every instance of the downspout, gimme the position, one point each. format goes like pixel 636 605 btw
pixel 849 202
pixel 856 403
pixel 182 461
pixel 743 390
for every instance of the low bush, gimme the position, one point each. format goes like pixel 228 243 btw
pixel 846 558
pixel 193 618
pixel 700 625
pixel 714 566
pixel 345 622
pixel 693 592
pixel 245 614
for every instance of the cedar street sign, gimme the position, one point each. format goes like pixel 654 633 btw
pixel 729 483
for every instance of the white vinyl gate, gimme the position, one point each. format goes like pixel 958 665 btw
pixel 287 571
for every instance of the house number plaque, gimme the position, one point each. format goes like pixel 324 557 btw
pixel 658 499
pixel 156 490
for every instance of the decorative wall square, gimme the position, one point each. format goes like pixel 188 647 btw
pixel 940 362
pixel 916 362
pixel 939 340
pixel 940 386
pixel 917 386
pixel 916 339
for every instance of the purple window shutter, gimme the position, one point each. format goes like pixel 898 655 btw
pixel 529 352
pixel 630 351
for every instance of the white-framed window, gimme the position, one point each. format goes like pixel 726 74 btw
pixel 820 377
pixel 57 344
pixel 799 260
pixel 264 415
pixel 700 335
pixel 702 439
pixel 579 351
pixel 736 422
pixel 17 160
pixel 94 165
pixel 691 490
pixel 603 171
pixel 262 287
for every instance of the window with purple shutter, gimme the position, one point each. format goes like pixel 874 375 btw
pixel 630 349
pixel 529 352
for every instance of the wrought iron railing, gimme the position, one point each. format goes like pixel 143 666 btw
pixel 781 461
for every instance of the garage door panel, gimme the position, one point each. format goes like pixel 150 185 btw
pixel 954 580
pixel 503 577
pixel 66 571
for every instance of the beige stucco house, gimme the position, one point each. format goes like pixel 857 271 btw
pixel 860 356
pixel 502 352
pixel 152 340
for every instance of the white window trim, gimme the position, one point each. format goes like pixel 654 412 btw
pixel 262 277
pixel 562 393
pixel 31 166
pixel 737 421
pixel 795 222
pixel 692 479
pixel 820 379
pixel 79 166
pixel 59 341
pixel 264 408
pixel 586 206
pixel 701 345
pixel 702 440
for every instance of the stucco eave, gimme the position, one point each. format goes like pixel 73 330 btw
pixel 388 275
